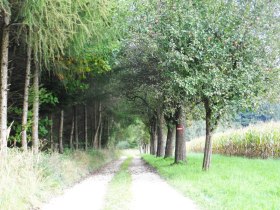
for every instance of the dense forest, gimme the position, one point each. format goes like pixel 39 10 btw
pixel 87 74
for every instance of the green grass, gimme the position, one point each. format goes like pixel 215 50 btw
pixel 232 182
pixel 118 194
pixel 26 180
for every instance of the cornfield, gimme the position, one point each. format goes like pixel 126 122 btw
pixel 261 140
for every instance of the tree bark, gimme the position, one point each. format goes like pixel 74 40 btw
pixel 4 83
pixel 51 133
pixel 72 131
pixel 86 125
pixel 160 143
pixel 76 127
pixel 96 136
pixel 169 149
pixel 35 126
pixel 100 135
pixel 153 136
pixel 25 99
pixel 208 140
pixel 180 147
pixel 60 136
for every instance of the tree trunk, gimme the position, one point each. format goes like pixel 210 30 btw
pixel 72 131
pixel 180 147
pixel 86 125
pixel 160 143
pixel 208 140
pixel 4 84
pixel 35 126
pixel 76 127
pixel 100 135
pixel 51 133
pixel 169 149
pixel 25 100
pixel 60 136
pixel 96 136
pixel 153 136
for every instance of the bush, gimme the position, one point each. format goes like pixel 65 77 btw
pixel 262 140
pixel 123 145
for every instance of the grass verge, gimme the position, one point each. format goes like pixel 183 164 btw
pixel 27 180
pixel 118 194
pixel 232 182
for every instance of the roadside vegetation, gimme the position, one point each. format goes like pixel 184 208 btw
pixel 26 180
pixel 261 140
pixel 231 183
pixel 118 194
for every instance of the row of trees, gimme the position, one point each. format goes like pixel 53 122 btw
pixel 58 44
pixel 166 62
pixel 183 56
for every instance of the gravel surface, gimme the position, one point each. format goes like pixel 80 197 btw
pixel 151 192
pixel 88 194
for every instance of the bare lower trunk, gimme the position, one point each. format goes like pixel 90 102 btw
pixel 153 136
pixel 208 140
pixel 86 125
pixel 76 127
pixel 169 149
pixel 60 136
pixel 96 134
pixel 25 100
pixel 35 126
pixel 180 147
pixel 100 136
pixel 4 84
pixel 160 143
pixel 51 133
pixel 72 131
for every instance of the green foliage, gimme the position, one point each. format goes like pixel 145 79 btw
pixel 232 182
pixel 262 140
pixel 130 136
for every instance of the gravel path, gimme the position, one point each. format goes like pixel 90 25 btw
pixel 88 194
pixel 150 192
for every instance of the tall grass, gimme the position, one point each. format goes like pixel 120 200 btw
pixel 262 140
pixel 26 180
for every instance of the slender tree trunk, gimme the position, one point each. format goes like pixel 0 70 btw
pixel 76 127
pixel 60 136
pixel 100 135
pixel 72 130
pixel 160 143
pixel 35 126
pixel 86 125
pixel 96 134
pixel 25 99
pixel 180 147
pixel 208 140
pixel 4 84
pixel 169 149
pixel 51 133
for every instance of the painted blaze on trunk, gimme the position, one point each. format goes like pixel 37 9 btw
pixel 180 148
